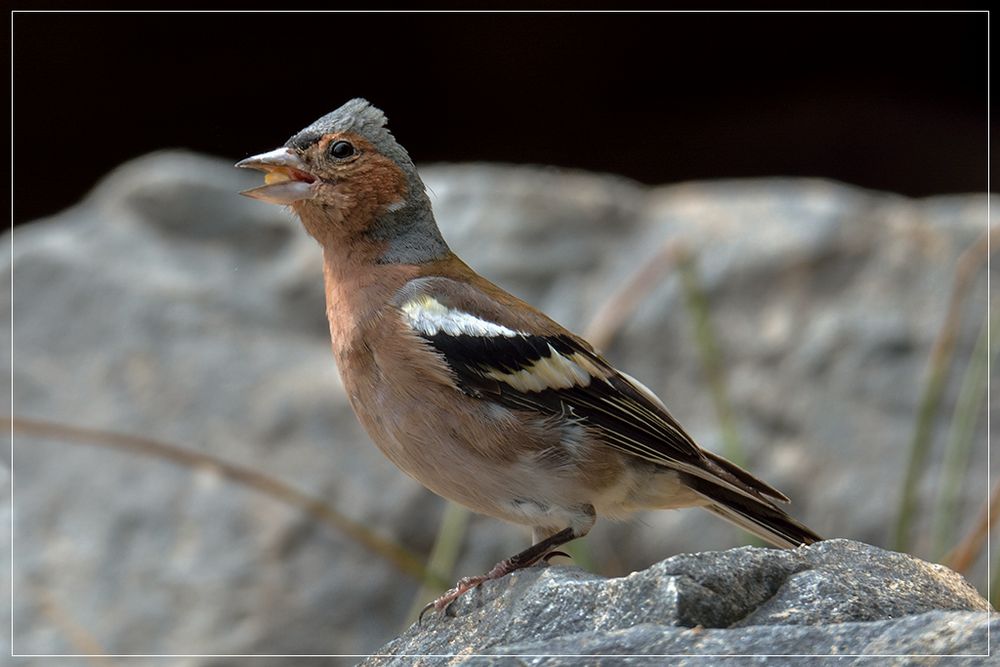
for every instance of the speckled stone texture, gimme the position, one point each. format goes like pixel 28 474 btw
pixel 833 598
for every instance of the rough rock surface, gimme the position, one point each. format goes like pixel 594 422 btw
pixel 167 306
pixel 833 598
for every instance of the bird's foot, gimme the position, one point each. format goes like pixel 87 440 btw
pixel 468 583
pixel 528 557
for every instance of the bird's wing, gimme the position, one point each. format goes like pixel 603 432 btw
pixel 500 349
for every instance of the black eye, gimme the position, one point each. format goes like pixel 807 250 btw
pixel 341 149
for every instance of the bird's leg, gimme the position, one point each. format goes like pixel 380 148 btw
pixel 539 534
pixel 526 558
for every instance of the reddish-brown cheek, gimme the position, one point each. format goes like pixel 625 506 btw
pixel 373 181
pixel 389 182
pixel 375 185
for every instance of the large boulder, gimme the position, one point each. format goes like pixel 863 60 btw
pixel 166 306
pixel 832 598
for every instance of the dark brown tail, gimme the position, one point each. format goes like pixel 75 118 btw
pixel 756 515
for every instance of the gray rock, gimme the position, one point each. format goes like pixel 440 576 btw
pixel 167 306
pixel 833 598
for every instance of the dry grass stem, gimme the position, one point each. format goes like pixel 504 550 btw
pixel 400 557
pixel 962 433
pixel 608 320
pixel 83 642
pixel 966 552
pixel 969 263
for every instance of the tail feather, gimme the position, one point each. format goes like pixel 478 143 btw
pixel 742 475
pixel 758 516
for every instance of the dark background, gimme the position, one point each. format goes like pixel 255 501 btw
pixel 887 101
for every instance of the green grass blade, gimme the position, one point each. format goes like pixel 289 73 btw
pixel 712 362
pixel 444 555
pixel 971 399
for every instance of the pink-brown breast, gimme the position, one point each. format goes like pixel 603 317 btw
pixel 519 466
pixel 471 451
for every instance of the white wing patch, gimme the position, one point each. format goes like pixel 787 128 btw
pixel 555 371
pixel 429 317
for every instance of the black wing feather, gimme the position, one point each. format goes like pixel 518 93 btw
pixel 626 418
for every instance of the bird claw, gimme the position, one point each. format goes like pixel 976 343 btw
pixel 443 602
pixel 553 554
pixel 427 608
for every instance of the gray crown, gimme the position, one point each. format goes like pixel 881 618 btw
pixel 360 117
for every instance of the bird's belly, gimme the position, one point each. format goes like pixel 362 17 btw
pixel 661 488
pixel 479 455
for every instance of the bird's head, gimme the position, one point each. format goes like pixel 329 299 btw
pixel 345 175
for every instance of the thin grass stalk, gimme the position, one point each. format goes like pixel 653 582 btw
pixel 400 557
pixel 967 552
pixel 447 545
pixel 582 555
pixel 971 259
pixel 968 409
pixel 611 315
pixel 712 363
pixel 82 641
pixel 711 357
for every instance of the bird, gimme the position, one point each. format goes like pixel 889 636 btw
pixel 471 391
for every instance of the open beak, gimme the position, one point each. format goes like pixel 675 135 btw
pixel 287 179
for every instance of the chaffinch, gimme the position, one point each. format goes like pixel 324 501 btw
pixel 472 392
